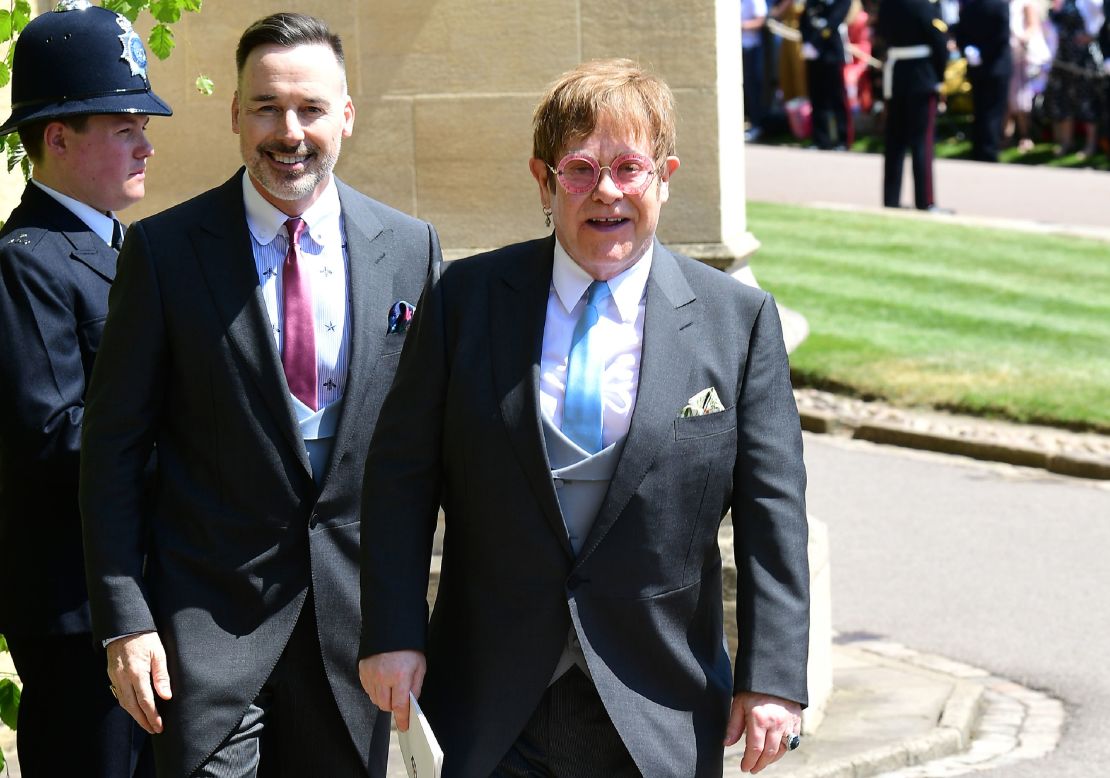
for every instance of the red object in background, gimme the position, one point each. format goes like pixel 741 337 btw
pixel 857 81
pixel 799 115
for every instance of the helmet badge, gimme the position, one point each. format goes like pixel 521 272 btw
pixel 133 52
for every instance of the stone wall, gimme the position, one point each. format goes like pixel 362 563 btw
pixel 444 91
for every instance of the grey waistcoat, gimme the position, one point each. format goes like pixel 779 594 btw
pixel 581 481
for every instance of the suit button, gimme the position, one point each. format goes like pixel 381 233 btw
pixel 313 520
pixel 574 582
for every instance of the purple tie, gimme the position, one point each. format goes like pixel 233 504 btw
pixel 299 352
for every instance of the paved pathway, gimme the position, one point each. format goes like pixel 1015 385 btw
pixel 1076 201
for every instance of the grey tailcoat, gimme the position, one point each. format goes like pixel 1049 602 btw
pixel 462 426
pixel 239 531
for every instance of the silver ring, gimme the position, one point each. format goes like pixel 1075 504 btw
pixel 791 740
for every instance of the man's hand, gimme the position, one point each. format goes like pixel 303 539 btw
pixel 137 667
pixel 763 720
pixel 388 678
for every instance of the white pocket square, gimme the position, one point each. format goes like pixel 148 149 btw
pixel 704 402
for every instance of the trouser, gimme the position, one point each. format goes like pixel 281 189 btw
pixel 569 736
pixel 910 124
pixel 829 101
pixel 69 723
pixel 990 96
pixel 753 84
pixel 293 728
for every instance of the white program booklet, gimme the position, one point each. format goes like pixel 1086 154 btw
pixel 419 747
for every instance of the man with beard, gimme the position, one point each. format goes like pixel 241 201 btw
pixel 252 335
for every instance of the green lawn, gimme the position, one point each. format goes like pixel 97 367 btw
pixel 924 312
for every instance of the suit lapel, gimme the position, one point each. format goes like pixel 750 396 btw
pixel 369 279
pixel 517 312
pixel 88 248
pixel 665 365
pixel 223 250
pixel 92 252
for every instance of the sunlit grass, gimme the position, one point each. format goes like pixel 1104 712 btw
pixel 926 312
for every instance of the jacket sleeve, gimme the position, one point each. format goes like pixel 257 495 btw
pixel 43 385
pixel 401 486
pixel 769 521
pixel 935 31
pixel 125 401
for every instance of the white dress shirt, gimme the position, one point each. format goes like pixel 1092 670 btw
pixel 324 255
pixel 97 221
pixel 621 329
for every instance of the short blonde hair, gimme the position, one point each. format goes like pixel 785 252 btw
pixel 616 90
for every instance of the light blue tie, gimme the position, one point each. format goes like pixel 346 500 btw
pixel 582 403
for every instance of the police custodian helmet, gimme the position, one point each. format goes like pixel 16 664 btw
pixel 79 59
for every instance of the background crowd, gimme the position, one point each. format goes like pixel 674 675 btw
pixel 1019 73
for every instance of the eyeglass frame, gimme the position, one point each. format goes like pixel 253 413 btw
pixel 598 167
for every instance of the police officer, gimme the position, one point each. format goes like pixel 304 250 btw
pixel 917 50
pixel 80 103
pixel 824 52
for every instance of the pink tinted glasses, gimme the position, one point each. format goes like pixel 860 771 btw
pixel 579 172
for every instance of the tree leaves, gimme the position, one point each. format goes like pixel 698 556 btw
pixel 161 41
pixel 166 11
pixel 129 8
pixel 9 702
pixel 205 86
pixel 21 14
pixel 17 155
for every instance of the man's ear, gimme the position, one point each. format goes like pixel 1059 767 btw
pixel 55 139
pixel 539 171
pixel 235 112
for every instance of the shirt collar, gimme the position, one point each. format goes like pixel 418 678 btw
pixel 95 220
pixel 571 281
pixel 266 222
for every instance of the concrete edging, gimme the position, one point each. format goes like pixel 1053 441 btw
pixel 952 735
pixel 893 435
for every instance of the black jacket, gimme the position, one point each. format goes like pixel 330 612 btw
pixel 985 24
pixel 914 23
pixel 54 278
pixel 820 27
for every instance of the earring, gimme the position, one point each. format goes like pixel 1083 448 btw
pixel 547 216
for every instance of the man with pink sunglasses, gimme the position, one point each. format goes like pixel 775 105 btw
pixel 587 408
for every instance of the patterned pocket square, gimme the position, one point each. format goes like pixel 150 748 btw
pixel 400 314
pixel 703 403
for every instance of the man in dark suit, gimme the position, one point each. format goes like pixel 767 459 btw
pixel 823 51
pixel 252 335
pixel 916 41
pixel 983 34
pixel 587 408
pixel 81 111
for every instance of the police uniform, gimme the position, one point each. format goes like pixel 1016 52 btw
pixel 917 50
pixel 823 51
pixel 985 26
pixel 55 271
